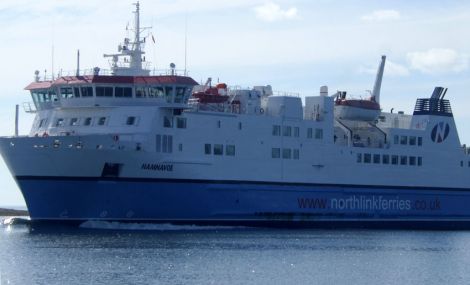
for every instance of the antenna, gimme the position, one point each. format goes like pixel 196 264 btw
pixel 185 44
pixel 378 80
pixel 78 62
pixel 52 59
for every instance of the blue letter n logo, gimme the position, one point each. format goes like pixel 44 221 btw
pixel 440 132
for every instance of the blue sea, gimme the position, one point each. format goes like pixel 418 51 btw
pixel 112 253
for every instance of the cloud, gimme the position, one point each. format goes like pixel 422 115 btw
pixel 271 12
pixel 381 16
pixel 391 69
pixel 438 60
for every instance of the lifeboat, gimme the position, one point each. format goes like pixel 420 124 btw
pixel 213 95
pixel 356 109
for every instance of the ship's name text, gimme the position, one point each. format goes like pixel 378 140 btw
pixel 157 167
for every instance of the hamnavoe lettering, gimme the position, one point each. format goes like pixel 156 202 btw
pixel 157 167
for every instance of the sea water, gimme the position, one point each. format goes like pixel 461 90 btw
pixel 113 253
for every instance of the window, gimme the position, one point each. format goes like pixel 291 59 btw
pixel 296 131
pixel 123 92
pixel 403 160
pixel 420 141
pixel 367 158
pixel 287 131
pixel 218 149
pixel 412 140
pixel 179 95
pixel 102 121
pixel 239 125
pixel 412 160
pixel 296 154
pixel 66 92
pixel 395 139
pixel 318 134
pixel 394 159
pixel 181 123
pixel 403 140
pixel 167 144
pixel 42 123
pixel 169 93
pixel 104 91
pixel 309 133
pixel 286 153
pixel 207 148
pixel 140 92
pixel 420 161
pixel 167 122
pixel 156 92
pixel 87 121
pixel 158 143
pixel 376 158
pixel 386 159
pixel 180 147
pixel 359 158
pixel 74 122
pixel 276 130
pixel 230 150
pixel 76 92
pixel 87 91
pixel 130 120
pixel 276 153
pixel 219 124
pixel 59 122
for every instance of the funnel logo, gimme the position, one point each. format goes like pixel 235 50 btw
pixel 440 132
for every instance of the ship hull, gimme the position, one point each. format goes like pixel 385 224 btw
pixel 78 199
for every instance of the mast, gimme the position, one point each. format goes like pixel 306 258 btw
pixel 378 81
pixel 131 51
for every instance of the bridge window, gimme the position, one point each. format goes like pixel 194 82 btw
pixel 66 92
pixel 218 149
pixel 169 93
pixel 155 92
pixel 140 92
pixel 104 91
pixel 76 92
pixel 230 150
pixel 276 153
pixel 87 91
pixel 123 92
pixel 179 96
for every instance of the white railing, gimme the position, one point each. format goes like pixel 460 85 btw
pixel 108 72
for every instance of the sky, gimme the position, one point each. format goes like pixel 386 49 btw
pixel 295 46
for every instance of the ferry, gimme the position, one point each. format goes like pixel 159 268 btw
pixel 131 145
